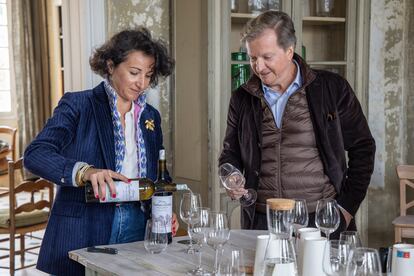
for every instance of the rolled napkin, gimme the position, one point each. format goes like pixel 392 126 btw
pixel 402 260
pixel 303 233
pixel 313 256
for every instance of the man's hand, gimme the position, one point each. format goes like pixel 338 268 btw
pixel 236 194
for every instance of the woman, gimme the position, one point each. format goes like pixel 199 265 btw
pixel 97 135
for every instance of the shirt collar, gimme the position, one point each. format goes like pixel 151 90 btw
pixel 297 82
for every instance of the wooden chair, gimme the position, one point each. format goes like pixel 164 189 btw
pixel 11 135
pixel 23 218
pixel 404 224
pixel 7 134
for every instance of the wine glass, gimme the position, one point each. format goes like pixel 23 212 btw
pixel 335 257
pixel 190 202
pixel 218 234
pixel 232 179
pixel 199 234
pixel 364 262
pixel 327 217
pixel 352 237
pixel 300 215
pixel 155 240
pixel 232 263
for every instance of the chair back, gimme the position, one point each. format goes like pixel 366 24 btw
pixel 28 186
pixel 406 175
pixel 11 132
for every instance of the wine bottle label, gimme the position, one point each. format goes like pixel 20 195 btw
pixel 124 192
pixel 162 211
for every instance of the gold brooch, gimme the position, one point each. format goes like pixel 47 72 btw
pixel 149 124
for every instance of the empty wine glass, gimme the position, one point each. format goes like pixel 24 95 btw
pixel 363 262
pixel 335 257
pixel 155 240
pixel 232 262
pixel 327 216
pixel 352 237
pixel 300 215
pixel 199 234
pixel 218 234
pixel 232 179
pixel 190 202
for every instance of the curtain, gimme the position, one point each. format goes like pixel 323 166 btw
pixel 31 67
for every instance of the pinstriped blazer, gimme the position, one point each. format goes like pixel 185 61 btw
pixel 80 130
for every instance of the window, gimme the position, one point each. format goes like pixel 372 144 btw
pixel 5 87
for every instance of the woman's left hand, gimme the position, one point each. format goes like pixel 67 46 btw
pixel 174 225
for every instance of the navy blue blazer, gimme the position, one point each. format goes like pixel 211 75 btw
pixel 80 129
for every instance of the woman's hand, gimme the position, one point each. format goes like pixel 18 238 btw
pixel 174 225
pixel 100 178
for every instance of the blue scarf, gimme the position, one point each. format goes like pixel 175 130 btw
pixel 119 135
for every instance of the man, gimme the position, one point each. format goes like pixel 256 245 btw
pixel 289 126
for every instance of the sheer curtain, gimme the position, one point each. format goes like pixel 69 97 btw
pixel 30 57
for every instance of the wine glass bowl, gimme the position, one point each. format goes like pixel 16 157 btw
pixel 363 261
pixel 335 257
pixel 155 240
pixel 352 237
pixel 327 217
pixel 233 179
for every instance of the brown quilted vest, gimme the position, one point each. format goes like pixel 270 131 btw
pixel 291 166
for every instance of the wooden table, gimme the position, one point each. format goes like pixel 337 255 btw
pixel 133 259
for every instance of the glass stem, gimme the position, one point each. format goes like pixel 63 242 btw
pixel 199 259
pixel 216 261
pixel 189 236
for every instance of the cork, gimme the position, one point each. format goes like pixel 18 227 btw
pixel 280 204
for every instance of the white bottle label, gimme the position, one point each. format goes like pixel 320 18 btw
pixel 124 192
pixel 162 211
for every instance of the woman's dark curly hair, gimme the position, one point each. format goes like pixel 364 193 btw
pixel 127 41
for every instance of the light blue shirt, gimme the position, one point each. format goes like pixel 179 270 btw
pixel 277 100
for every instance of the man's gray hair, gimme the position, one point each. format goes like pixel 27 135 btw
pixel 278 21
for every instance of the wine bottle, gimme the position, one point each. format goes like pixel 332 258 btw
pixel 138 189
pixel 161 203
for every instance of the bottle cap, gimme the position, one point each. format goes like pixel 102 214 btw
pixel 162 154
pixel 282 204
pixel 239 56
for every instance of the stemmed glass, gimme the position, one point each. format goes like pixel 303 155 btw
pixel 364 262
pixel 218 234
pixel 190 202
pixel 300 215
pixel 335 257
pixel 199 234
pixel 155 240
pixel 232 263
pixel 327 217
pixel 352 237
pixel 232 179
